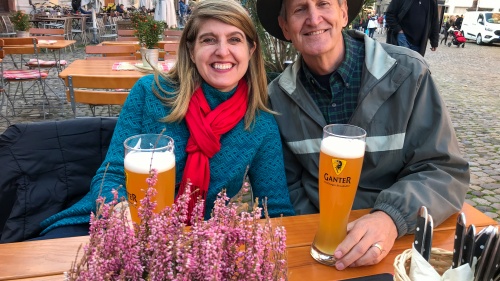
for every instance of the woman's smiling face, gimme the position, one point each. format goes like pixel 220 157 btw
pixel 221 53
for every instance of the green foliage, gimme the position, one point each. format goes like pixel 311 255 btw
pixel 21 21
pixel 274 51
pixel 147 30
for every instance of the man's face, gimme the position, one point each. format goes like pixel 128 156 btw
pixel 314 26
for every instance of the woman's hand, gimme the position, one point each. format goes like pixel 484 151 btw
pixel 369 239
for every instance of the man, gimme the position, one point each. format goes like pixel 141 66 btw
pixel 120 9
pixel 458 22
pixel 412 156
pixel 411 23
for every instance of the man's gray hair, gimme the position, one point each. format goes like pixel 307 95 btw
pixel 283 11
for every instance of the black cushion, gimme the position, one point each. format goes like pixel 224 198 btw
pixel 45 167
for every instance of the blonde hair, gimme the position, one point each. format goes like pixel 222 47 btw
pixel 184 76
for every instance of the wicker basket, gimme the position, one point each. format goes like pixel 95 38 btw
pixel 440 259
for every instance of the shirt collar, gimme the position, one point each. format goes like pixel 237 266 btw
pixel 345 68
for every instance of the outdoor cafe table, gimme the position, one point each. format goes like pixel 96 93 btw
pixel 99 68
pixel 46 260
pixel 135 42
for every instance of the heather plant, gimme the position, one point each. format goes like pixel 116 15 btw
pixel 231 245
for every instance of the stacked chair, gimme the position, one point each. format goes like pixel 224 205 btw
pixel 6 27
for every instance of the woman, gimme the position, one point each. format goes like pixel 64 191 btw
pixel 448 24
pixel 219 70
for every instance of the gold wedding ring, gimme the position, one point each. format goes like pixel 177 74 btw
pixel 378 246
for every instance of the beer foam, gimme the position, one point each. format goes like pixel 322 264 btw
pixel 139 162
pixel 343 147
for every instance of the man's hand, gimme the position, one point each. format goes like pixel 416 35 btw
pixel 434 48
pixel 358 248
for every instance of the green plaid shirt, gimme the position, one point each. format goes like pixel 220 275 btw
pixel 339 102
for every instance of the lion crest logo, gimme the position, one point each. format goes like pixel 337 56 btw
pixel 338 165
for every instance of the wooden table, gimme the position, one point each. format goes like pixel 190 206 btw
pixel 99 67
pixel 46 260
pixel 135 42
pixel 57 45
pixel 50 43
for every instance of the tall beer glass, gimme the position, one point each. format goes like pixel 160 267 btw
pixel 143 153
pixel 340 161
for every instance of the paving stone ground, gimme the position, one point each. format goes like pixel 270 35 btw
pixel 467 78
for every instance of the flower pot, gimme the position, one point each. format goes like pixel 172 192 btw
pixel 22 34
pixel 150 57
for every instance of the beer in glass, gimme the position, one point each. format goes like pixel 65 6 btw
pixel 143 153
pixel 340 161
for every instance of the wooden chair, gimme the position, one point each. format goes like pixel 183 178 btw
pixel 171 50
pixel 172 34
pixel 116 52
pixel 137 47
pixel 59 32
pixel 34 75
pixel 126 35
pixel 48 34
pixel 97 90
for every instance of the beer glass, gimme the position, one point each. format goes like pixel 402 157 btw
pixel 340 160
pixel 143 153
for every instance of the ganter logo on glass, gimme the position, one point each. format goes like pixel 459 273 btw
pixel 338 165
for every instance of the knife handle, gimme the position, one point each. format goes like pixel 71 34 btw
pixel 420 229
pixel 489 235
pixel 427 246
pixel 458 243
pixel 468 247
pixel 493 258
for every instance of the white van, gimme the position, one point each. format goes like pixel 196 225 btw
pixel 484 27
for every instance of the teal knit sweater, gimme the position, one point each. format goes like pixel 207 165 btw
pixel 259 148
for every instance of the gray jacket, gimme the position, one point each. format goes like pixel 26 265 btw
pixel 412 156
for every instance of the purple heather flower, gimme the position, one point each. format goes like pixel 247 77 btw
pixel 229 246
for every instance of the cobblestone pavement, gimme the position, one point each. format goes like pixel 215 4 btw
pixel 468 80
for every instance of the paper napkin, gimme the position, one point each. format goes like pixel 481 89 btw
pixel 421 270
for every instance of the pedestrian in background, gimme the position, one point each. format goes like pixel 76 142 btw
pixel 365 24
pixel 446 27
pixel 372 26
pixel 458 22
pixel 380 21
pixel 411 23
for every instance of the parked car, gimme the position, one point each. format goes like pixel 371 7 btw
pixel 483 27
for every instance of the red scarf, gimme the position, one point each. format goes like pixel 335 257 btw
pixel 206 127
